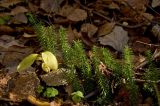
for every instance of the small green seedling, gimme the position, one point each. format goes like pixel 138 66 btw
pixel 77 96
pixel 49 61
pixel 50 92
pixel 40 89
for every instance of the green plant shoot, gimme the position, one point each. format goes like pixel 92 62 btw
pixel 77 96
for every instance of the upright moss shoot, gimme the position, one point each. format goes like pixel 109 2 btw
pixel 45 35
pixel 103 83
pixel 128 75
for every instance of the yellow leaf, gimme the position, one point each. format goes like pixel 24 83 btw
pixel 45 67
pixel 37 102
pixel 27 62
pixel 50 60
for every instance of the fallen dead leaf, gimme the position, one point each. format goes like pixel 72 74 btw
pixel 71 34
pixel 7 41
pixel 7 3
pixel 32 7
pixel 50 5
pixel 19 18
pixel 117 39
pixel 90 29
pixel 77 15
pixel 4 29
pixel 14 54
pixel 155 3
pixel 66 10
pixel 106 28
pixel 148 16
pixel 139 5
pixel 18 9
pixel 26 35
pixel 113 6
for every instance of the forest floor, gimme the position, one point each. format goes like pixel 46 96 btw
pixel 112 24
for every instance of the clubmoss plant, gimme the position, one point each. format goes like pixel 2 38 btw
pixel 128 75
pixel 83 67
pixel 112 63
pixel 68 56
pixel 103 83
pixel 152 75
pixel 81 59
pixel 45 35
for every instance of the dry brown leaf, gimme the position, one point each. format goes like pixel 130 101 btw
pixel 139 5
pixel 6 30
pixel 148 16
pixel 15 54
pixel 66 10
pixel 117 39
pixel 26 35
pixel 19 18
pixel 77 15
pixel 7 41
pixel 72 35
pixel 155 3
pixel 54 103
pixel 113 6
pixel 18 9
pixel 90 29
pixel 33 7
pixel 50 5
pixel 7 3
pixel 106 29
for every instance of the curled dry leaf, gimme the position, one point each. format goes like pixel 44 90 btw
pixel 117 39
pixel 106 28
pixel 77 15
pixel 90 29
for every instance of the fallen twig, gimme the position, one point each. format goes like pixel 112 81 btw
pixel 155 55
pixel 148 44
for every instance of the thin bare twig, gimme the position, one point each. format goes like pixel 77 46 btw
pixel 148 44
pixel 155 55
